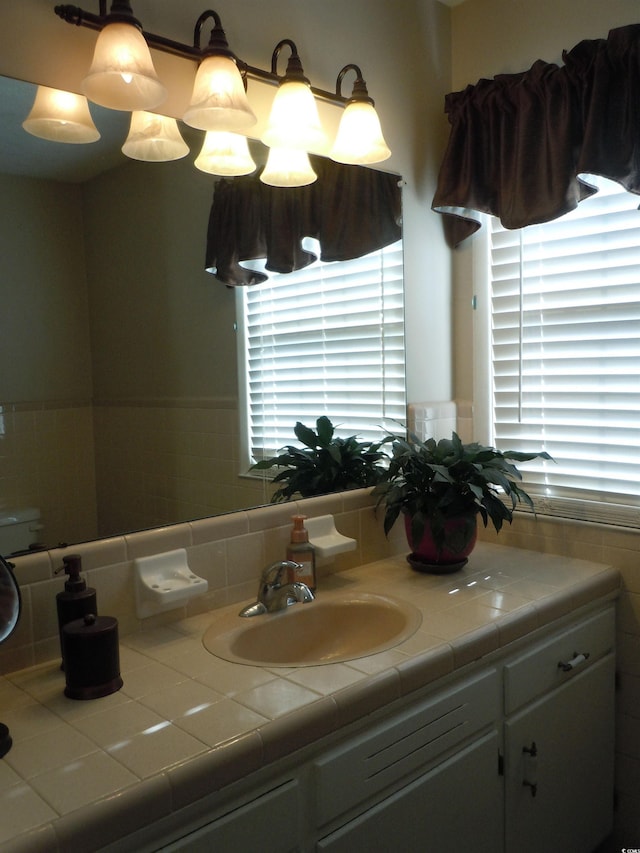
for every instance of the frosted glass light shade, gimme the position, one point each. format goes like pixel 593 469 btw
pixel 219 101
pixel 294 121
pixel 288 167
pixel 154 138
pixel 225 154
pixel 60 117
pixel 122 76
pixel 359 140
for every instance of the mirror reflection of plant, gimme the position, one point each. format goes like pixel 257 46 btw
pixel 326 463
pixel 433 482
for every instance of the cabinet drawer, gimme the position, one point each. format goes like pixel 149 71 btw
pixel 552 662
pixel 374 761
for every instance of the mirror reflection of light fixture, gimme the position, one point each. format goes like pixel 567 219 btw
pixel 224 153
pixel 60 117
pixel 219 100
pixel 359 140
pixel 154 138
pixel 294 122
pixel 288 167
pixel 122 76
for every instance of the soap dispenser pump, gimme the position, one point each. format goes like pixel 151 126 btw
pixel 301 551
pixel 77 600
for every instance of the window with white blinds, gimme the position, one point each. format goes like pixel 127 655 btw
pixel 325 340
pixel 565 308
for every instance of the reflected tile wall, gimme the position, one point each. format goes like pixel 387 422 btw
pixel 46 461
pixel 158 463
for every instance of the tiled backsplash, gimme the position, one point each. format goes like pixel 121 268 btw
pixel 229 551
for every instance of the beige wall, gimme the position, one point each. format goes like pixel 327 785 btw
pixel 496 36
pixel 161 327
pixel 44 292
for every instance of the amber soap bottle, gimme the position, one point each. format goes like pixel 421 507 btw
pixel 301 551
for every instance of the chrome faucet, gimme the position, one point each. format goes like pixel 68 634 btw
pixel 273 595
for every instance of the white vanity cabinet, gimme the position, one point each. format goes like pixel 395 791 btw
pixel 513 754
pixel 559 741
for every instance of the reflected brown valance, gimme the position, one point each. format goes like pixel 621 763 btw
pixel 351 210
pixel 522 146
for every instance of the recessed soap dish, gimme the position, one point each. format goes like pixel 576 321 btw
pixel 165 581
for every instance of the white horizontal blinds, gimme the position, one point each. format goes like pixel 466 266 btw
pixel 326 340
pixel 566 346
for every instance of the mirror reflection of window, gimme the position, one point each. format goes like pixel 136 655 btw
pixel 324 340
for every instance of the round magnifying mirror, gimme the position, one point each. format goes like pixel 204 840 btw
pixel 10 604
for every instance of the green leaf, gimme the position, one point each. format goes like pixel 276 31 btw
pixel 325 431
pixel 306 435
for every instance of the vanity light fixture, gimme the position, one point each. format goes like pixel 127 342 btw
pixel 60 117
pixel 122 76
pixel 154 138
pixel 359 139
pixel 219 101
pixel 294 122
pixel 226 154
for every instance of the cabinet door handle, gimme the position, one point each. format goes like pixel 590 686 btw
pixel 530 768
pixel 576 660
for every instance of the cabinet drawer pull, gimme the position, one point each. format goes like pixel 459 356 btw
pixel 531 768
pixel 576 660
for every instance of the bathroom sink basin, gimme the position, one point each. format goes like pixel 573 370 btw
pixel 327 630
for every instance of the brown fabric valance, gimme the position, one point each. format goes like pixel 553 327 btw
pixel 522 146
pixel 351 210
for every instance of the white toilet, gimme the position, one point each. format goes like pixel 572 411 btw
pixel 19 529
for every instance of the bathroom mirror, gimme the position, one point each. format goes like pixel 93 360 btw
pixel 121 347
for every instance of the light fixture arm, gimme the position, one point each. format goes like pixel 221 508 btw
pixel 218 43
pixel 360 92
pixel 294 65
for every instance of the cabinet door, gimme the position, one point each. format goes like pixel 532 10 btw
pixel 455 806
pixel 268 823
pixel 563 744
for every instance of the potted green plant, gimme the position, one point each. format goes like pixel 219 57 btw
pixel 326 463
pixel 441 488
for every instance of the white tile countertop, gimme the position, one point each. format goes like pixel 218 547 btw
pixel 82 774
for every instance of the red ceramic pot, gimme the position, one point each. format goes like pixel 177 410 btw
pixel 460 535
